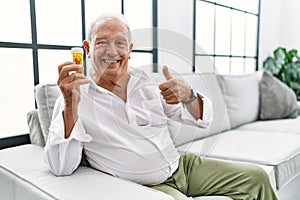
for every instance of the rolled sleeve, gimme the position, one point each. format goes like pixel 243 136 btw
pixel 64 155
pixel 207 117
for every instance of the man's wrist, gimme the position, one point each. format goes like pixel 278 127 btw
pixel 192 98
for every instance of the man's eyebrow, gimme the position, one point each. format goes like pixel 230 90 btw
pixel 104 37
pixel 100 38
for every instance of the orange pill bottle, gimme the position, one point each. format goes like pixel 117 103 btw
pixel 77 54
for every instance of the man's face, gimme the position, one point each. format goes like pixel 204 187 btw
pixel 109 50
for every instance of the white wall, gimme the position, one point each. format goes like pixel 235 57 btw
pixel 175 33
pixel 279 26
pixel 269 28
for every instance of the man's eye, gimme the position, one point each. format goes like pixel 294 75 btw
pixel 121 43
pixel 102 43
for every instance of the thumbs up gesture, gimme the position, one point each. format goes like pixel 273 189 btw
pixel 174 91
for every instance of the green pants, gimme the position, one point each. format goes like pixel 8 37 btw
pixel 197 176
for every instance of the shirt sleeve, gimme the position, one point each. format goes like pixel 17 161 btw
pixel 64 155
pixel 180 113
pixel 207 117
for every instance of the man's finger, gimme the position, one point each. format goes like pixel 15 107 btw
pixel 62 65
pixel 64 72
pixel 166 72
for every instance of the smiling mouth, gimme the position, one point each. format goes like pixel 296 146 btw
pixel 110 61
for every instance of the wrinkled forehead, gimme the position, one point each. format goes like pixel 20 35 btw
pixel 110 28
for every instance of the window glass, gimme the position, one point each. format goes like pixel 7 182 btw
pixel 237 66
pixel 238 33
pixel 205 26
pixel 228 31
pixel 17 92
pixel 93 9
pixel 248 5
pixel 223 24
pixel 222 65
pixel 59 22
pixel 251 35
pixel 204 64
pixel 227 2
pixel 250 65
pixel 49 61
pixel 140 22
pixel 15 21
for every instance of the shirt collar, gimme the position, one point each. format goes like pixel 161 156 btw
pixel 135 76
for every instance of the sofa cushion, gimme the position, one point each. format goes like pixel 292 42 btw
pixel 35 130
pixel 265 148
pixel 241 93
pixel 206 84
pixel 277 100
pixel 287 126
pixel 26 176
pixel 46 95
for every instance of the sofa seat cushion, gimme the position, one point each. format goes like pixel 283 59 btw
pixel 265 148
pixel 288 126
pixel 23 175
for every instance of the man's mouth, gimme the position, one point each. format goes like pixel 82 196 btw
pixel 110 61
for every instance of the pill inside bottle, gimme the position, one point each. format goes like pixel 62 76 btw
pixel 77 54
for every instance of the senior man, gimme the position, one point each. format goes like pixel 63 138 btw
pixel 118 117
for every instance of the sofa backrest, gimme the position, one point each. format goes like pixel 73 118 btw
pixel 207 85
pixel 241 94
pixel 46 95
pixel 235 102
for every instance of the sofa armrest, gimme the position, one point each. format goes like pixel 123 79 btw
pixel 26 176
pixel 36 135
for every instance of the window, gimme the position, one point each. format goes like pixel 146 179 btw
pixel 38 37
pixel 226 36
pixel 17 92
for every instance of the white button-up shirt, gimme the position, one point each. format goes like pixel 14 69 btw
pixel 128 139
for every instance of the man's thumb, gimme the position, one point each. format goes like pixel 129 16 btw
pixel 166 72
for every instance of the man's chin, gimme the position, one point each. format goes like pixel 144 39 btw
pixel 112 74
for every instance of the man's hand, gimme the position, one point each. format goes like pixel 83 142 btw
pixel 69 85
pixel 174 91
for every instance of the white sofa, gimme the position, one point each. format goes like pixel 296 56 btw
pixel 236 135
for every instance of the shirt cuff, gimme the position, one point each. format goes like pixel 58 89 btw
pixel 186 116
pixel 57 129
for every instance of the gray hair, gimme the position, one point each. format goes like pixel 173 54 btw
pixel 102 18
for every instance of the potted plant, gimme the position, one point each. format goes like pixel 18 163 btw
pixel 285 65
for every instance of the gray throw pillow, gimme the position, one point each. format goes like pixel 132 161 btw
pixel 277 100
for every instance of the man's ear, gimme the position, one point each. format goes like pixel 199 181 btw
pixel 130 47
pixel 86 46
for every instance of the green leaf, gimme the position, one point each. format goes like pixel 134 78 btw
pixel 271 65
pixel 280 55
pixel 287 78
pixel 285 65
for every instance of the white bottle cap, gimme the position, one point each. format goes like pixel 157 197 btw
pixel 76 50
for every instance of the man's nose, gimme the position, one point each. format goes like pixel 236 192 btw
pixel 111 50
